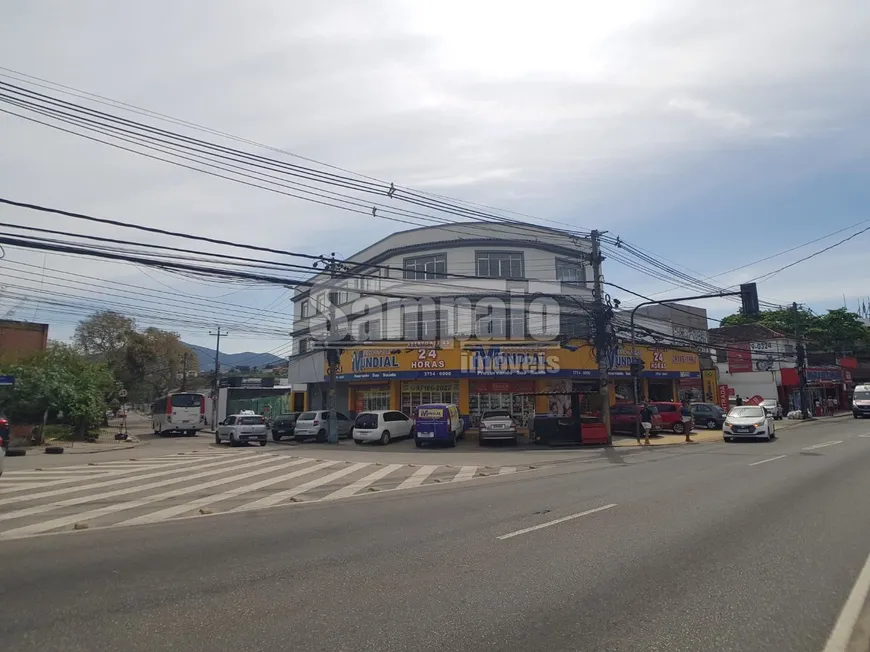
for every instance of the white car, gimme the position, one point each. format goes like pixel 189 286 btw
pixel 772 406
pixel 241 429
pixel 382 426
pixel 316 424
pixel 749 421
pixel 497 424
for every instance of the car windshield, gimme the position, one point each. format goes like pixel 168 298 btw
pixel 308 416
pixel 746 412
pixel 497 414
pixel 366 420
pixel 186 400
pixel 861 396
pixel 769 402
pixel 251 421
pixel 286 418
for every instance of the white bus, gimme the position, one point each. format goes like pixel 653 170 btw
pixel 182 412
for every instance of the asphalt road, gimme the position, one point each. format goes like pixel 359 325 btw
pixel 708 547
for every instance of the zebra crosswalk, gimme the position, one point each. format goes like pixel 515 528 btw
pixel 138 492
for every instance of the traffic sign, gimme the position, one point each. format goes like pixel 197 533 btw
pixel 122 393
pixel 7 381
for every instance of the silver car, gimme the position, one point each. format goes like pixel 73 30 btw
pixel 497 424
pixel 316 424
pixel 241 429
pixel 772 406
pixel 749 421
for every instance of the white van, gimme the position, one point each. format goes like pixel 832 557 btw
pixel 861 401
pixel 382 426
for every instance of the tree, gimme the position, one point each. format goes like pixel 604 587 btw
pixel 59 380
pixel 837 331
pixel 146 363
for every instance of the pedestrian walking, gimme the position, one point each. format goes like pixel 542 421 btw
pixel 738 401
pixel 687 421
pixel 645 423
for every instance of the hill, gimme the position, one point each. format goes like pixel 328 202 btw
pixel 230 360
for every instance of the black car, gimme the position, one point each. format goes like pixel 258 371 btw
pixel 284 425
pixel 4 432
pixel 708 415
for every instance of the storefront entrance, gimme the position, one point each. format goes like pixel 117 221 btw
pixel 415 394
pixel 660 390
pixel 371 397
pixel 513 396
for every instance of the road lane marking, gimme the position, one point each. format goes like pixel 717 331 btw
pixel 822 445
pixel 418 477
pixel 92 498
pixel 63 521
pixel 281 496
pixel 465 473
pixel 175 510
pixel 840 636
pixel 770 459
pixel 864 436
pixel 363 482
pixel 507 469
pixel 555 522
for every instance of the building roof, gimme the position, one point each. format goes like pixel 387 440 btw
pixel 744 333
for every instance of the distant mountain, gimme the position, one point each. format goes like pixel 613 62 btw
pixel 205 357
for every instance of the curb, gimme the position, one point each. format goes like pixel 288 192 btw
pixel 108 449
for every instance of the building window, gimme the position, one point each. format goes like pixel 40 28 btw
pixel 303 311
pixel 416 394
pixel 570 271
pixel 500 326
pixel 424 268
pixel 500 264
pixel 421 324
pixel 304 345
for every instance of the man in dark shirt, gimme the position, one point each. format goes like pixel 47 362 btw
pixel 645 422
pixel 686 417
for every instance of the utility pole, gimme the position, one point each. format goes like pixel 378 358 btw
pixel 184 372
pixel 217 373
pixel 602 333
pixel 333 354
pixel 801 362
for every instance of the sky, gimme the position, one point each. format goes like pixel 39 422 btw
pixel 713 135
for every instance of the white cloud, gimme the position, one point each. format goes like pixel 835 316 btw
pixel 715 116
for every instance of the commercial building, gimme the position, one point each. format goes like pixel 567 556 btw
pixel 19 339
pixel 479 314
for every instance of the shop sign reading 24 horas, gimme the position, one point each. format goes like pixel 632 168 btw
pixel 509 360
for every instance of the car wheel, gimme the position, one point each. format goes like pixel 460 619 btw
pixel 728 439
pixel 54 450
pixel 855 415
pixel 385 438
pixel 679 428
pixel 217 439
pixel 358 441
pixel 321 437
pixel 418 443
pixel 262 442
pixel 480 441
pixel 233 441
pixel 276 436
pixel 711 424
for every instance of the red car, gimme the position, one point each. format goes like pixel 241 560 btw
pixel 625 418
pixel 672 417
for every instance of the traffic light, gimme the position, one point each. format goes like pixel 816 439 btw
pixel 749 299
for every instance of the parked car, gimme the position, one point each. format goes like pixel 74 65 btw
pixel 749 421
pixel 241 429
pixel 438 423
pixel 382 426
pixel 625 418
pixel 284 425
pixel 772 406
pixel 672 417
pixel 316 424
pixel 497 425
pixel 709 415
